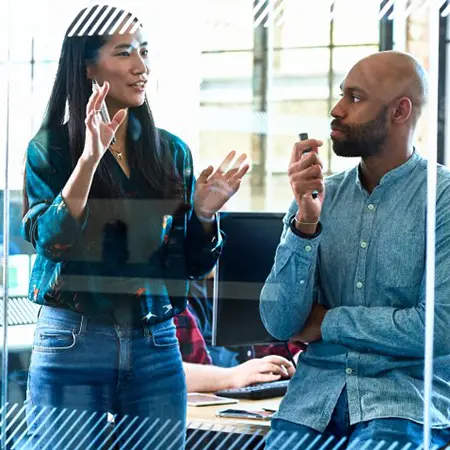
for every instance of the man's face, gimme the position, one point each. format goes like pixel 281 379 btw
pixel 360 123
pixel 360 139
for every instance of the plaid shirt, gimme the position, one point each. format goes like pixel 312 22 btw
pixel 276 349
pixel 192 345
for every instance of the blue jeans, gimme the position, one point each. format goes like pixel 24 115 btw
pixel 379 434
pixel 91 385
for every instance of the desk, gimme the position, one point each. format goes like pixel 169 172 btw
pixel 203 424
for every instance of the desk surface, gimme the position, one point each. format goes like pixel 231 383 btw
pixel 204 417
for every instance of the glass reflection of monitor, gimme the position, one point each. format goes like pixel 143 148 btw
pixel 246 261
pixel 18 274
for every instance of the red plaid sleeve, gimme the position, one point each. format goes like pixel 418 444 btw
pixel 192 345
pixel 275 349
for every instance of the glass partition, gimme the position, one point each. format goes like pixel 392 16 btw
pixel 110 304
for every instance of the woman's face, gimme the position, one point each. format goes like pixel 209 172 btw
pixel 123 62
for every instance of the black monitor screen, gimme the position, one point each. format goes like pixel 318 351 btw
pixel 245 263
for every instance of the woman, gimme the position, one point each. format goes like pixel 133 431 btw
pixel 119 227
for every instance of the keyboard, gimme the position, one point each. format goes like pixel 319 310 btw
pixel 257 391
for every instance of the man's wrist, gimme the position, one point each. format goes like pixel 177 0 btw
pixel 305 231
pixel 305 225
pixel 303 228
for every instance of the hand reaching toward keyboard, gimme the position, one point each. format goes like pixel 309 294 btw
pixel 261 370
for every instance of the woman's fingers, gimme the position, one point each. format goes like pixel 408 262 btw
pixel 89 118
pixel 205 174
pixel 117 120
pixel 226 162
pixel 97 98
pixel 102 93
pixel 90 103
pixel 237 164
pixel 237 177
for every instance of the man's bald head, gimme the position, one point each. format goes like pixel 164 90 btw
pixel 383 97
pixel 392 75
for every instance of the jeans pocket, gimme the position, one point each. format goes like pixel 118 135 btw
pixel 165 338
pixel 50 339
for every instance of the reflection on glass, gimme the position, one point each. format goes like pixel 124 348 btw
pixel 353 19
pixel 227 25
pixel 306 63
pixel 119 225
pixel 348 281
pixel 304 24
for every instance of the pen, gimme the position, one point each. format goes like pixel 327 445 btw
pixel 304 137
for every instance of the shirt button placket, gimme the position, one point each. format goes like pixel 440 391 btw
pixel 368 218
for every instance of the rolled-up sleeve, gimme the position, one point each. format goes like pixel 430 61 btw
pixel 48 224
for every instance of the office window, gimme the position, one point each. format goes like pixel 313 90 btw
pixel 301 62
pixel 303 24
pixel 305 63
pixel 43 77
pixel 355 22
pixel 305 59
pixel 226 65
pixel 3 123
pixel 226 25
pixel 226 45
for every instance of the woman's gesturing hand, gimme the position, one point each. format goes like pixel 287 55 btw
pixel 98 133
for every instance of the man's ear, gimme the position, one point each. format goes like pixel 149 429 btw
pixel 403 111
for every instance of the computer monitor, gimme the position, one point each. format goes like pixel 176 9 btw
pixel 245 263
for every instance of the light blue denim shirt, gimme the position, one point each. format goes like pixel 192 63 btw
pixel 367 266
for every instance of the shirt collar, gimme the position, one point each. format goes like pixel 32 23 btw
pixel 401 171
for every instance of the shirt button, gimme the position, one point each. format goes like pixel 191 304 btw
pixel 359 285
pixel 348 371
pixel 308 248
pixel 363 244
pixel 371 207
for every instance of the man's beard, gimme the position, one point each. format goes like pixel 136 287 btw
pixel 361 140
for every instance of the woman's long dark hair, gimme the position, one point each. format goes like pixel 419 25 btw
pixel 70 93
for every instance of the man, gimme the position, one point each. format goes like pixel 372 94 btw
pixel 203 376
pixel 349 272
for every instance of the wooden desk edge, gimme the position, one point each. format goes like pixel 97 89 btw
pixel 204 417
